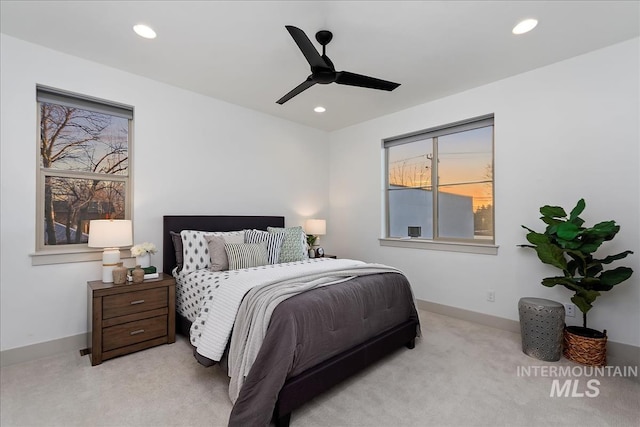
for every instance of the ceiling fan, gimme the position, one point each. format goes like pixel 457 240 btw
pixel 323 70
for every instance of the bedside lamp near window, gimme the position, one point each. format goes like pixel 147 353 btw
pixel 316 228
pixel 110 234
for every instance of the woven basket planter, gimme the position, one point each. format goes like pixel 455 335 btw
pixel 585 350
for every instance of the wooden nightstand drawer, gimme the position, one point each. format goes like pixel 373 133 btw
pixel 133 302
pixel 133 332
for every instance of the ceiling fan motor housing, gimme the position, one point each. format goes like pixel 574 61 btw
pixel 324 37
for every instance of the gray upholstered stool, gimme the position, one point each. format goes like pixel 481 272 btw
pixel 541 326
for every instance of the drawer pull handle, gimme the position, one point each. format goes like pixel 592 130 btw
pixel 139 331
pixel 140 301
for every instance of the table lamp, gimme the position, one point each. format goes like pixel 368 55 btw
pixel 110 234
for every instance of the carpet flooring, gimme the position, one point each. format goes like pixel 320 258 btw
pixel 459 374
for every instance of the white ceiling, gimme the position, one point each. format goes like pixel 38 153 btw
pixel 240 51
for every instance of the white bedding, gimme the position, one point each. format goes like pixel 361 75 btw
pixel 193 287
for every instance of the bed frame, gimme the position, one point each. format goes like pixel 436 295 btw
pixel 310 383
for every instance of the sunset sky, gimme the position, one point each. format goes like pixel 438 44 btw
pixel 464 168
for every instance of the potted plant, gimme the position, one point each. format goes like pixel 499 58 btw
pixel 570 246
pixel 311 241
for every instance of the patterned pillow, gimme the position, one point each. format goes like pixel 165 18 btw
pixel 219 259
pixel 273 241
pixel 294 246
pixel 195 249
pixel 246 255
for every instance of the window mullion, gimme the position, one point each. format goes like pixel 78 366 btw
pixel 83 175
pixel 434 187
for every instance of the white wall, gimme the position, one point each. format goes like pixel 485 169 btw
pixel 562 132
pixel 192 155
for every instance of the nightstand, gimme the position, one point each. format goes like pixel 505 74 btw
pixel 127 318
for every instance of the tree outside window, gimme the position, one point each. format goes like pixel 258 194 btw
pixel 84 166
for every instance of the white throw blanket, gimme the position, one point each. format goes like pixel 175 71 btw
pixel 255 311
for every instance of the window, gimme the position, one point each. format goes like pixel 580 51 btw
pixel 439 184
pixel 84 167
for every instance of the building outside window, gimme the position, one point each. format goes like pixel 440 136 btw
pixel 439 183
pixel 84 166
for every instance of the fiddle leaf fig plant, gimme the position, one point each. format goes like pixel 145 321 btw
pixel 570 246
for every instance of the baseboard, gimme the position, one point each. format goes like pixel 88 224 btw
pixel 43 349
pixel 618 354
pixel 470 316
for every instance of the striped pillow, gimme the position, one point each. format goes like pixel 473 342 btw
pixel 246 255
pixel 273 241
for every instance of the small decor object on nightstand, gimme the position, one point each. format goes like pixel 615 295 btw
pixel 120 275
pixel 137 274
pixel 149 273
pixel 143 252
pixel 314 228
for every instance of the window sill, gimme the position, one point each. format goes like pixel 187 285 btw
pixel 473 248
pixel 68 256
pixel 64 256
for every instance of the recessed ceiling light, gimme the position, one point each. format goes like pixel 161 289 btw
pixel 525 26
pixel 319 109
pixel 144 31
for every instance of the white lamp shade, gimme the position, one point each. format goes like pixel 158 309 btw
pixel 110 233
pixel 315 227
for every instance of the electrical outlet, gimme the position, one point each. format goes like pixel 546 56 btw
pixel 491 296
pixel 570 310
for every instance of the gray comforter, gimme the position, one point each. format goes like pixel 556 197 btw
pixel 314 326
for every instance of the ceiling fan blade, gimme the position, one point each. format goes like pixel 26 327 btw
pixel 297 90
pixel 308 50
pixel 352 79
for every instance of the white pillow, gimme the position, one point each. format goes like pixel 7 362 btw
pixel 195 249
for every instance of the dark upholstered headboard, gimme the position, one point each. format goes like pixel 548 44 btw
pixel 177 223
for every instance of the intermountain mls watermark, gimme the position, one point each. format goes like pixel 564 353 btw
pixel 582 381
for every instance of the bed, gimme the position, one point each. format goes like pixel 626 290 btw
pixel 290 367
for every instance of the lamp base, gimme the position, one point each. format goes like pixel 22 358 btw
pixel 110 260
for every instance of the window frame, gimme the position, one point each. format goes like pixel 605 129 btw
pixel 481 246
pixel 76 252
